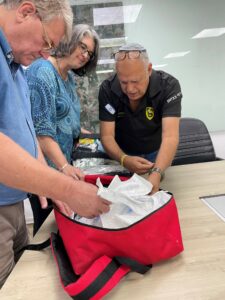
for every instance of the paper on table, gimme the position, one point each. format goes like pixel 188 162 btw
pixel 216 203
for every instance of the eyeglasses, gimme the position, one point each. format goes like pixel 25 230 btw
pixel 83 49
pixel 133 54
pixel 48 44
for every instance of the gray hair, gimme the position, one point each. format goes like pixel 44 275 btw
pixel 78 33
pixel 47 10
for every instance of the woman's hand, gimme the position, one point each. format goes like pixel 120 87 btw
pixel 73 172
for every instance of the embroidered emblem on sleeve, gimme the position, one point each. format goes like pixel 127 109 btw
pixel 149 113
pixel 174 97
pixel 110 109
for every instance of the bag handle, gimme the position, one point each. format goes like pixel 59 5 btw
pixel 37 247
pixel 99 279
pixel 134 265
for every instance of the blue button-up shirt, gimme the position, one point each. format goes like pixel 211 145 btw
pixel 15 113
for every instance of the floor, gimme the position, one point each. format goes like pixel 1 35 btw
pixel 30 230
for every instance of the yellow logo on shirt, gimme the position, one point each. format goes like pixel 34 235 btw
pixel 149 113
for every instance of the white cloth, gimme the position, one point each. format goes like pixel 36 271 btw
pixel 130 202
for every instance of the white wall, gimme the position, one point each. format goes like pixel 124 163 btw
pixel 218 139
pixel 166 26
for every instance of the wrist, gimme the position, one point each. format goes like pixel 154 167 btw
pixel 156 170
pixel 63 167
pixel 122 159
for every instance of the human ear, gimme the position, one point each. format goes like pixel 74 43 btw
pixel 149 69
pixel 25 10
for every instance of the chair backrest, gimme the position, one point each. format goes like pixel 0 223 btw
pixel 195 143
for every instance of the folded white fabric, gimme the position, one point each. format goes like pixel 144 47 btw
pixel 130 202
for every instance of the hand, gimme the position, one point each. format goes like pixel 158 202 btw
pixel 85 131
pixel 43 201
pixel 63 208
pixel 85 201
pixel 137 164
pixel 154 178
pixel 75 173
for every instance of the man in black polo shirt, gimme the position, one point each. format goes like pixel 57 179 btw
pixel 139 111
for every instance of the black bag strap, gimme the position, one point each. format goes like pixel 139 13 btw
pixel 132 264
pixel 109 273
pixel 38 247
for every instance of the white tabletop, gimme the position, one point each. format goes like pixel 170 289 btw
pixel 198 273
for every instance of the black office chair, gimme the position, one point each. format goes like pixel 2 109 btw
pixel 195 145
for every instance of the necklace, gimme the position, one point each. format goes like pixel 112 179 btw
pixel 60 70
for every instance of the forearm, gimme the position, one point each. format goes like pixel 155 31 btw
pixel 41 157
pixel 166 152
pixel 111 147
pixel 52 151
pixel 107 131
pixel 163 160
pixel 169 144
pixel 20 170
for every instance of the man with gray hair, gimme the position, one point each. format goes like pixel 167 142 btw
pixel 139 111
pixel 28 30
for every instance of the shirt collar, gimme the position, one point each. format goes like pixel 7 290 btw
pixel 7 51
pixel 154 84
pixel 116 88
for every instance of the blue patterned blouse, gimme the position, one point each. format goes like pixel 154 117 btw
pixel 55 105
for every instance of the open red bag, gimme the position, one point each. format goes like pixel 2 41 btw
pixel 92 260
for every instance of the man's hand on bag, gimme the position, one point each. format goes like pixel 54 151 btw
pixel 63 208
pixel 43 202
pixel 154 178
pixel 137 164
pixel 86 203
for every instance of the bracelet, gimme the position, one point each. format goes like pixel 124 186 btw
pixel 122 159
pixel 63 167
pixel 156 170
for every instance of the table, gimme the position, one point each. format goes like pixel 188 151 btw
pixel 198 273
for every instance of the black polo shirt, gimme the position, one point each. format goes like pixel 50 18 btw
pixel 140 132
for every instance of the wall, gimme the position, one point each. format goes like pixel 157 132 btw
pixel 218 139
pixel 164 27
pixel 167 26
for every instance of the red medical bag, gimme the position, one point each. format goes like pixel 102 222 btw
pixel 92 260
